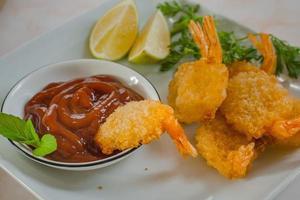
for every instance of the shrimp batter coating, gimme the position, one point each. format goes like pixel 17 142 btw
pixel 140 123
pixel 255 101
pixel 198 88
pixel 241 66
pixel 226 150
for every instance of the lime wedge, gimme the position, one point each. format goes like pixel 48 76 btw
pixel 153 42
pixel 115 32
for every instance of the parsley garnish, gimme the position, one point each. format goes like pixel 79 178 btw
pixel 182 45
pixel 181 48
pixel 234 48
pixel 288 57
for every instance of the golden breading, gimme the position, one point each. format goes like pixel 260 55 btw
pixel 226 150
pixel 241 66
pixel 255 100
pixel 197 90
pixel 139 123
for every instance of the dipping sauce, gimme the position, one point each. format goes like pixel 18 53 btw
pixel 72 111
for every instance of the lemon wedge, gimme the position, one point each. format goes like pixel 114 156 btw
pixel 115 32
pixel 153 43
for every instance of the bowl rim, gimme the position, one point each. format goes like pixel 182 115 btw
pixel 54 163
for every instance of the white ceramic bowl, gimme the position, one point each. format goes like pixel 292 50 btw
pixel 64 71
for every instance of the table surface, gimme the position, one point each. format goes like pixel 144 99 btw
pixel 21 21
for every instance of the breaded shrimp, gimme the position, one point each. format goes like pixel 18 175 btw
pixel 140 123
pixel 226 150
pixel 198 88
pixel 256 102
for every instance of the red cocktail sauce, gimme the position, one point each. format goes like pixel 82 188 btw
pixel 72 111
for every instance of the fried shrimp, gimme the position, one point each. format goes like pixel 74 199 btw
pixel 256 102
pixel 140 123
pixel 226 150
pixel 198 88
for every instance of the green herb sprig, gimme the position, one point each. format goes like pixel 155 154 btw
pixel 182 11
pixel 22 131
pixel 288 57
pixel 181 48
pixel 182 45
pixel 234 48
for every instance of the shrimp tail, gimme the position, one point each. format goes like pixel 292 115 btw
pixel 285 128
pixel 176 132
pixel 199 37
pixel 206 38
pixel 215 49
pixel 265 46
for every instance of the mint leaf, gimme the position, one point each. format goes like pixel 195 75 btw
pixel 30 133
pixel 16 129
pixel 47 145
pixel 13 128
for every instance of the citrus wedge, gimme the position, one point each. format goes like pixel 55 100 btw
pixel 153 43
pixel 115 32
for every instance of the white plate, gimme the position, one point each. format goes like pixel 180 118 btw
pixel 32 83
pixel 169 176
